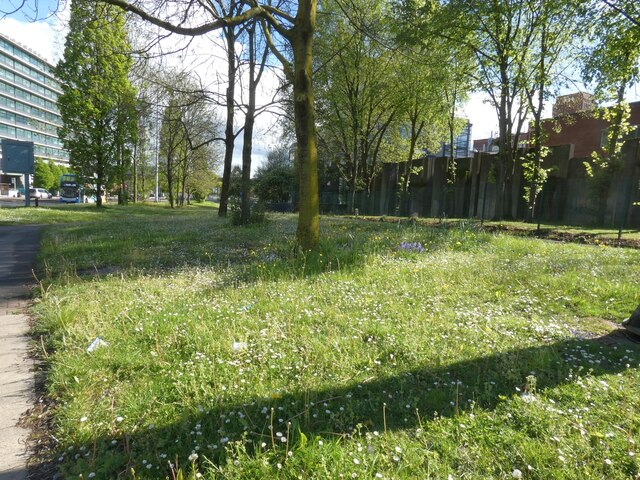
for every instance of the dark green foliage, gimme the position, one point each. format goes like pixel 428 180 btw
pixel 43 177
pixel 277 180
pixel 97 103
pixel 56 172
pixel 274 184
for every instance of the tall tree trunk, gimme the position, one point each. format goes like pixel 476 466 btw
pixel 183 190
pixel 170 180
pixel 506 132
pixel 611 152
pixel 249 120
pixel 308 232
pixel 99 182
pixel 537 129
pixel 135 172
pixel 229 137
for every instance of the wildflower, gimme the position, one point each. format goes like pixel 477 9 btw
pixel 119 419
pixel 92 474
pixel 516 473
pixel 608 462
pixel 83 419
pixel 193 457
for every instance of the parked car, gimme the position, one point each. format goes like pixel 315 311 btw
pixel 39 193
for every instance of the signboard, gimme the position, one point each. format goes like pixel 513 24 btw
pixel 17 157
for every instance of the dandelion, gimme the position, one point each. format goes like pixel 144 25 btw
pixel 608 462
pixel 356 461
pixel 516 473
pixel 193 457
pixel 119 419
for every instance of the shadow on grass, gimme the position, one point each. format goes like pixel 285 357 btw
pixel 402 401
pixel 149 245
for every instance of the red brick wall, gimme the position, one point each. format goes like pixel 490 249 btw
pixel 582 130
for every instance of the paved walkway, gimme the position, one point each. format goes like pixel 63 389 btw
pixel 18 249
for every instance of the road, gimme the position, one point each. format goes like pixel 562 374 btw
pixel 19 202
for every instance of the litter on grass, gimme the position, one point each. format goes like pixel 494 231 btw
pixel 96 344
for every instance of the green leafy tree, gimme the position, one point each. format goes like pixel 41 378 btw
pixel 42 176
pixel 289 30
pixel 97 101
pixel 358 90
pixel 276 180
pixel 557 26
pixel 56 172
pixel 612 65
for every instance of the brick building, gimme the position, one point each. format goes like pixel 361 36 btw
pixel 575 122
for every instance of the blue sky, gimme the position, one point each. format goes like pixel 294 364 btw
pixel 32 10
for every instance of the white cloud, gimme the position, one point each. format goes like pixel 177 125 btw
pixel 44 36
pixel 482 116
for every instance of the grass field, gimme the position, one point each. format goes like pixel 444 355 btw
pixel 395 351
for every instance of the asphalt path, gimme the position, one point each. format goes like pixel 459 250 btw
pixel 18 251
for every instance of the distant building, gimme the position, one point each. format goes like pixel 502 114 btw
pixel 491 144
pixel 575 123
pixel 584 130
pixel 28 104
pixel 573 103
pixel 461 144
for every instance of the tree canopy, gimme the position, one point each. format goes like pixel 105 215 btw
pixel 97 103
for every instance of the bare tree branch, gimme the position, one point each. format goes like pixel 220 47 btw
pixel 217 24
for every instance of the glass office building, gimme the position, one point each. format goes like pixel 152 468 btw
pixel 461 144
pixel 28 108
